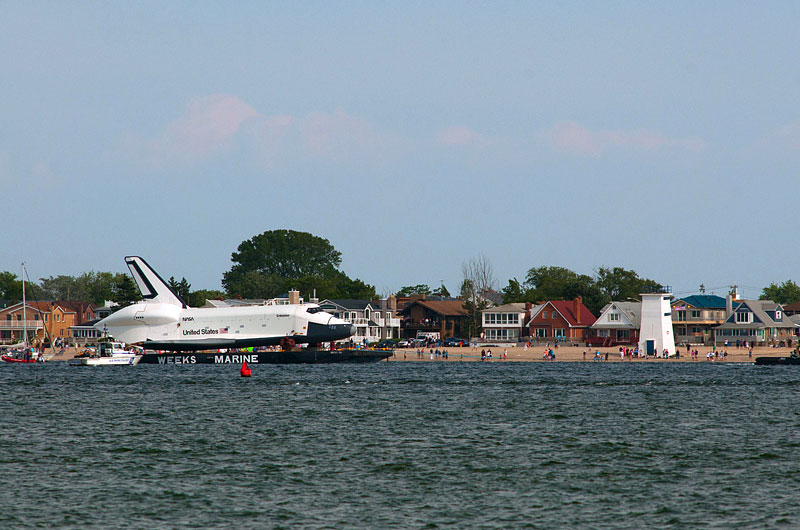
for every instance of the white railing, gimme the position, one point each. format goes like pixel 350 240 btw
pixel 394 322
pixel 21 324
pixel 359 321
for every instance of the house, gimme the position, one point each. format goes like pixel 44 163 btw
pixel 42 320
pixel 694 317
pixel 757 322
pixel 506 322
pixel 375 320
pixel 618 324
pixel 422 317
pixel 792 309
pixel 561 319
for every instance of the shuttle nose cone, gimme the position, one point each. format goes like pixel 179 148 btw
pixel 352 329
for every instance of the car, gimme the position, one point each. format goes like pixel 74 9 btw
pixel 385 344
pixel 405 343
pixel 455 342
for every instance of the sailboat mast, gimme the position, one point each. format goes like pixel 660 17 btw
pixel 24 313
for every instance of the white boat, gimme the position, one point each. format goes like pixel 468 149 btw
pixel 112 354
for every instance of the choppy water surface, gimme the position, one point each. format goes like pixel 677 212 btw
pixel 401 445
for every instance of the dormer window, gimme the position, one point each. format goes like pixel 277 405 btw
pixel 744 317
pixel 777 314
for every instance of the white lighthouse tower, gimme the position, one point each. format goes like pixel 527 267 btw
pixel 655 332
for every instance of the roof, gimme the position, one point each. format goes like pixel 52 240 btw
pixel 348 303
pixel 631 310
pixel 442 307
pixel 703 301
pixel 794 307
pixel 514 307
pixel 566 309
pixel 759 309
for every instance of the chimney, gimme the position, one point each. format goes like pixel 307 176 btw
pixel 729 305
pixel 294 297
pixel 577 308
pixel 392 303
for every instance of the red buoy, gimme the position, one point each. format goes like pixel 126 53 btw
pixel 245 369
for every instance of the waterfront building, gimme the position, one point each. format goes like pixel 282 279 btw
pixel 694 318
pixel 422 317
pixel 506 322
pixel 43 320
pixel 757 322
pixel 563 320
pixel 617 325
pixel 655 330
pixel 374 320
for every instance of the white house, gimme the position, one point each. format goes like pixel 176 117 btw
pixel 374 320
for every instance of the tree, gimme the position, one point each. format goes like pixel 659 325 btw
pixel 282 254
pixel 181 288
pixel 559 283
pixel 198 298
pixel 414 289
pixel 10 287
pixel 124 290
pixel 786 293
pixel 441 291
pixel 513 292
pixel 276 261
pixel 479 280
pixel 621 285
pixel 59 288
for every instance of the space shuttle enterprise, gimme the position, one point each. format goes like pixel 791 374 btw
pixel 163 321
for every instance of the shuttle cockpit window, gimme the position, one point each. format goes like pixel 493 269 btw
pixel 313 310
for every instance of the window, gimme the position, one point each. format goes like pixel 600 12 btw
pixel 613 317
pixel 559 333
pixel 513 318
pixel 777 315
pixel 36 316
pixel 544 315
pixel 680 315
pixel 696 314
pixel 744 317
pixel 623 333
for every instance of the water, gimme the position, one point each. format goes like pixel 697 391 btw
pixel 436 445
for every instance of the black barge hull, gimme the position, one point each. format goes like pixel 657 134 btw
pixel 303 356
pixel 777 361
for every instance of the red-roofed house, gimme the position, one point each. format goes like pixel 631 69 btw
pixel 565 319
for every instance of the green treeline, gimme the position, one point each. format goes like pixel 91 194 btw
pixel 276 261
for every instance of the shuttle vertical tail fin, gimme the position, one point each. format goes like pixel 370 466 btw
pixel 151 285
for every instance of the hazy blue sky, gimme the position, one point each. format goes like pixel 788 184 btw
pixel 658 136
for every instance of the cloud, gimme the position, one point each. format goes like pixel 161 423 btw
pixel 574 138
pixel 784 138
pixel 218 124
pixel 207 127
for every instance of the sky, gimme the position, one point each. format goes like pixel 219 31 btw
pixel 662 137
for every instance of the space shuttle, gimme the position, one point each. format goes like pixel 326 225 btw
pixel 163 321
